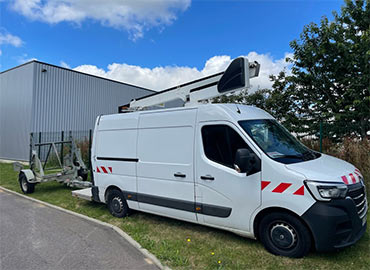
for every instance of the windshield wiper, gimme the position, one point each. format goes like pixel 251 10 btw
pixel 290 156
pixel 309 155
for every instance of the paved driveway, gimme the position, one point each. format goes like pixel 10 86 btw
pixel 34 236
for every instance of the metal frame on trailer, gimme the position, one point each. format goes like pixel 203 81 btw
pixel 71 169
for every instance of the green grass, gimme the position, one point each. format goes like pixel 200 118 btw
pixel 168 239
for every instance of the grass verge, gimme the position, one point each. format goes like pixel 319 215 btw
pixel 183 245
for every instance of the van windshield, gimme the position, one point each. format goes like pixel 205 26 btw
pixel 276 141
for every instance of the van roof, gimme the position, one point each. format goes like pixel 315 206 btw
pixel 240 112
pixel 216 111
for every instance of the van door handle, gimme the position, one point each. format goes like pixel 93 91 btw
pixel 207 177
pixel 180 175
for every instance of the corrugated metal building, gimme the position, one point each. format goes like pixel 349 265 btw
pixel 39 97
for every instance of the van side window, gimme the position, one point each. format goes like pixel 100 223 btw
pixel 220 144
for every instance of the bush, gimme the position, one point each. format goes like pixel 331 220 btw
pixel 84 148
pixel 354 151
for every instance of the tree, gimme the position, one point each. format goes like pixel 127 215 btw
pixel 331 70
pixel 329 79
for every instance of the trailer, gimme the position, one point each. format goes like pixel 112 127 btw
pixel 68 169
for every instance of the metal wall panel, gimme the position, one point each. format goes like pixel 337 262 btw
pixel 68 100
pixel 15 111
pixel 40 97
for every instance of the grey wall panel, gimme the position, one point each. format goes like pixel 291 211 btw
pixel 15 112
pixel 67 100
pixel 39 97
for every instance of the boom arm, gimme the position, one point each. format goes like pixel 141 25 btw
pixel 236 77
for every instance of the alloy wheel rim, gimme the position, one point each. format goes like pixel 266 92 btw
pixel 117 204
pixel 283 235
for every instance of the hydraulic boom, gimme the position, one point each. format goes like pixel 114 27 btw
pixel 235 78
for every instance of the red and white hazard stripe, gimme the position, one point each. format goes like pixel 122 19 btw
pixel 352 178
pixel 358 173
pixel 282 188
pixel 102 169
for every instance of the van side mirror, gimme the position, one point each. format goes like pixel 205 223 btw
pixel 247 161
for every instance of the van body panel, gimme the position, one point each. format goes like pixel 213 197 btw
pixel 285 188
pixel 165 168
pixel 117 121
pixel 327 169
pixel 230 112
pixel 110 144
pixel 167 118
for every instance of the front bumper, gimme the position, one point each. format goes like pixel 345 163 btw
pixel 335 224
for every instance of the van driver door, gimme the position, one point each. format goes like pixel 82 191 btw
pixel 224 197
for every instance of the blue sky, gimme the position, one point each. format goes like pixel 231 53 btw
pixel 162 39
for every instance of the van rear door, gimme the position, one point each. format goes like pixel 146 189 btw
pixel 114 154
pixel 165 171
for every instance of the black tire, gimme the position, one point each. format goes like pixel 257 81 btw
pixel 26 187
pixel 117 204
pixel 285 235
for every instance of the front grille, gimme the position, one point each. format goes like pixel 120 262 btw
pixel 357 193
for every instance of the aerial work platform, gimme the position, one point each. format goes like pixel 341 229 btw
pixel 235 78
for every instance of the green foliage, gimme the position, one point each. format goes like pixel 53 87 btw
pixel 329 80
pixel 331 70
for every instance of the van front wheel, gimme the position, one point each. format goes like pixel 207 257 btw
pixel 285 235
pixel 117 204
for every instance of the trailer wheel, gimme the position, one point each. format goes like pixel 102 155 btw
pixel 285 235
pixel 83 174
pixel 26 187
pixel 117 204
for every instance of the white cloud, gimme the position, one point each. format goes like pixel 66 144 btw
pixel 269 66
pixel 160 78
pixel 24 59
pixel 90 69
pixel 64 64
pixel 132 15
pixel 7 38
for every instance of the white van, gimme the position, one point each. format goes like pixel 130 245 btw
pixel 232 167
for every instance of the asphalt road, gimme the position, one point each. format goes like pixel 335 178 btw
pixel 34 236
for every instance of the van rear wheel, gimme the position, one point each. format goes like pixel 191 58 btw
pixel 285 235
pixel 26 187
pixel 117 204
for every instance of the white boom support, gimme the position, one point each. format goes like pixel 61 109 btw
pixel 235 78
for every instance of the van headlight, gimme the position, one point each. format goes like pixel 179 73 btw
pixel 325 191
